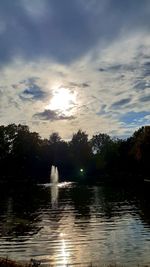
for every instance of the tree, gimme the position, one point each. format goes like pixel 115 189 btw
pixel 3 144
pixel 80 150
pixel 54 142
pixel 25 152
pixel 100 142
pixel 54 138
pixel 140 149
pixel 79 139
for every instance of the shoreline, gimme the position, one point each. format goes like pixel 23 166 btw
pixel 6 262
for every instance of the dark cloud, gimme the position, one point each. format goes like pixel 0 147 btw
pixel 142 82
pixel 81 85
pixel 30 81
pixel 146 69
pixel 147 64
pixel 85 85
pixel 64 30
pixel 118 68
pixel 32 91
pixel 13 102
pixel 147 72
pixel 140 85
pixel 101 69
pixel 121 102
pixel 102 110
pixel 145 98
pixel 51 115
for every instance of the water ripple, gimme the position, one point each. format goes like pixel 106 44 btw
pixel 82 224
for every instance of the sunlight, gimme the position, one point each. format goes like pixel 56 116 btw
pixel 64 253
pixel 63 99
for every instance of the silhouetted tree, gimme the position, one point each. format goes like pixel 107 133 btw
pixel 54 138
pixel 140 149
pixel 80 151
pixel 101 147
pixel 25 157
pixel 100 142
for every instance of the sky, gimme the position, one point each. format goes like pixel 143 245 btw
pixel 75 64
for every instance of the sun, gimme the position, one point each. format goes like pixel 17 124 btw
pixel 63 100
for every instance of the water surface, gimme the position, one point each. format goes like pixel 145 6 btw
pixel 72 224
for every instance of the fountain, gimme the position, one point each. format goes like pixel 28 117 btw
pixel 54 176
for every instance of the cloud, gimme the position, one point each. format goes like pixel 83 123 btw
pixel 80 85
pixel 121 102
pixel 101 69
pixel 65 31
pixel 140 85
pixel 33 93
pixel 145 98
pixel 51 115
pixel 97 49
pixel 1 90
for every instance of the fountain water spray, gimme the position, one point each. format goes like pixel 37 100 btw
pixel 54 176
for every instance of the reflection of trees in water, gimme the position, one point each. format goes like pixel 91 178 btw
pixel 25 210
pixel 107 202
pixel 19 210
pixel 113 201
pixel 81 198
pixel 110 202
pixel 143 204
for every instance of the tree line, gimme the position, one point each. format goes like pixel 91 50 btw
pixel 26 157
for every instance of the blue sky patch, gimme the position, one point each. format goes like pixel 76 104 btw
pixel 132 116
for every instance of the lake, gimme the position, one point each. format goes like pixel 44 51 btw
pixel 73 224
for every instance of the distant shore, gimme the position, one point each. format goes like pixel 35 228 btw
pixel 5 262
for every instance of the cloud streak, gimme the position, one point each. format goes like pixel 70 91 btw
pixel 97 49
pixel 64 31
pixel 51 115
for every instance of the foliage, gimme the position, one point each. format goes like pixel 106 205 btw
pixel 80 151
pixel 100 142
pixel 26 157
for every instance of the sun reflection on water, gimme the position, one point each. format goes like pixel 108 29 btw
pixel 64 252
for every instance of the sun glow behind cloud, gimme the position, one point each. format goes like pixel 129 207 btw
pixel 63 100
pixel 89 73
